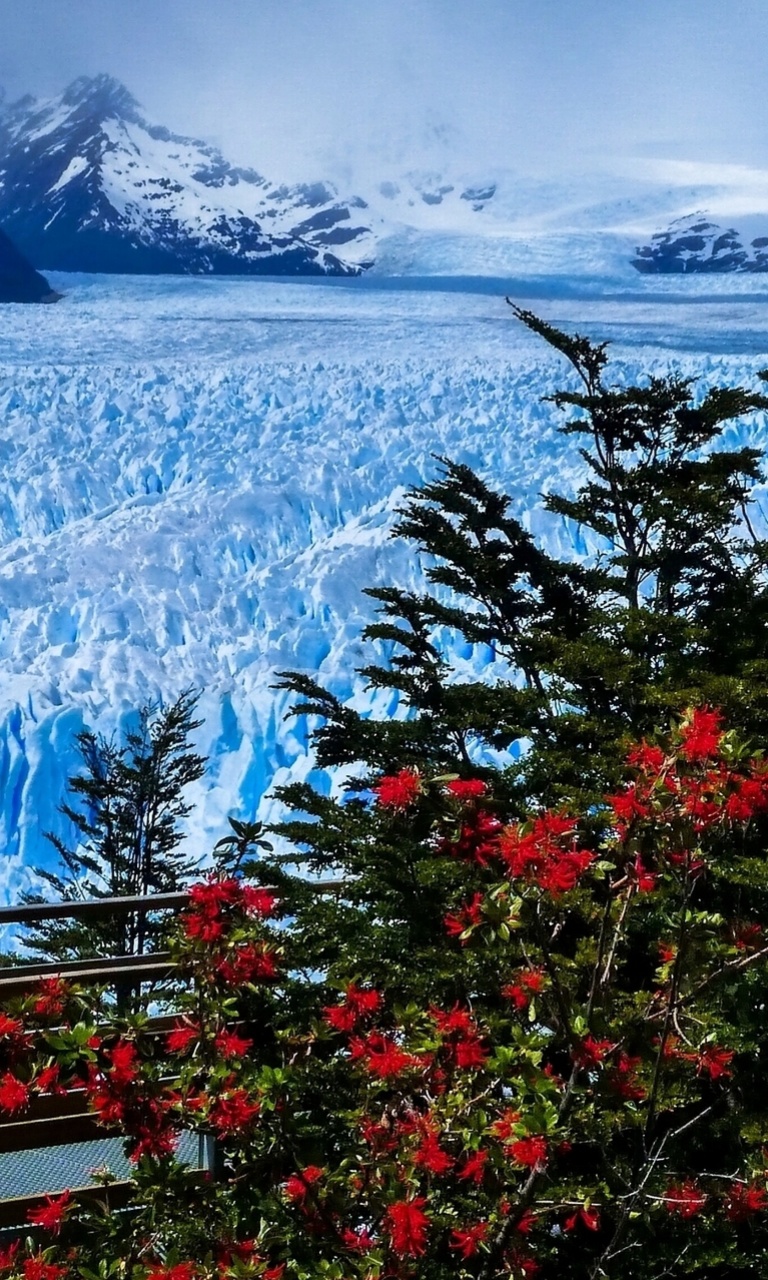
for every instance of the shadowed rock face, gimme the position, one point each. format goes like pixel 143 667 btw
pixel 19 282
pixel 694 244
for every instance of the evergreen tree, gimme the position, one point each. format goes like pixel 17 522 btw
pixel 595 652
pixel 127 829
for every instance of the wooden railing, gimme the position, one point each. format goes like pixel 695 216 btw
pixel 52 1121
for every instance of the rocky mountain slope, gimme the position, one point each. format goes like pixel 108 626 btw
pixel 19 282
pixel 88 184
pixel 694 244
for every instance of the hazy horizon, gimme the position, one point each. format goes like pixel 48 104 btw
pixel 296 87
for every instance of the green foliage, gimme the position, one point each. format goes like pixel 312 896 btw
pixel 588 655
pixel 126 824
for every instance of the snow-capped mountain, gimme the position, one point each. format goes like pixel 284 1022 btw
pixel 88 184
pixel 694 244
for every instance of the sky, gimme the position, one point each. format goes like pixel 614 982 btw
pixel 543 86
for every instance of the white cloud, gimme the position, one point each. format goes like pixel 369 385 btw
pixel 548 86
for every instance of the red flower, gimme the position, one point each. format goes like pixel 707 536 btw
pixel 563 873
pixel 124 1063
pixel 340 1017
pixel 685 1198
pixel 213 895
pixel 701 734
pixel 202 927
pixel 51 1215
pixel 8 1256
pixel 406 1227
pixel 503 1128
pixel 231 1045
pixel 37 1268
pixel 744 1200
pixel 52 996
pixel 590 1218
pixel 358 1241
pixel 591 1052
pixel 646 758
pixel 469 1054
pixel 251 962
pixel 623 1078
pixel 466 788
pixel 456 1020
pixel 748 799
pixel 473 1167
pixel 714 1062
pixel 383 1057
pixel 48 1081
pixel 11 1028
pixel 363 1000
pixel 748 937
pixel 536 853
pixel 399 790
pixel 467 917
pixel 522 1264
pixel 529 1152
pixel 179 1271
pixel 299 1184
pixel 183 1035
pixel 430 1155
pixel 627 805
pixel 14 1094
pixel 477 840
pixel 524 985
pixel 467 1240
pixel 646 880
pixel 233 1112
pixel 258 901
pixel 359 1003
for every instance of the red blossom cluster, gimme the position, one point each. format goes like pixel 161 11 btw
pixel 522 988
pixel 406 1226
pixel 358 1004
pixel 544 852
pixel 383 1057
pixel 466 918
pixel 495 1139
pixel 51 1215
pixel 122 1096
pixel 693 781
pixel 398 790
pixel 477 838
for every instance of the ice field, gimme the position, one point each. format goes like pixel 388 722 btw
pixel 198 478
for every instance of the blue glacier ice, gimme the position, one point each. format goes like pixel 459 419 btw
pixel 199 477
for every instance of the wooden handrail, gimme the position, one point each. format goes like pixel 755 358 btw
pixel 18 979
pixel 31 911
pixel 13 1213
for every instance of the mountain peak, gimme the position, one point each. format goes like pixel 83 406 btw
pixel 103 94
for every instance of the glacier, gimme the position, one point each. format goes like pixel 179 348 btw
pixel 199 477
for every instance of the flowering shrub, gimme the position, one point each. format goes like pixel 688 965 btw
pixel 588 1100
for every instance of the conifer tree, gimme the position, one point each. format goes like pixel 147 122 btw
pixel 592 653
pixel 127 828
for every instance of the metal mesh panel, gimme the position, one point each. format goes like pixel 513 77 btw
pixel 54 1169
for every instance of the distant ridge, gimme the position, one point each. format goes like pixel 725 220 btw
pixel 694 244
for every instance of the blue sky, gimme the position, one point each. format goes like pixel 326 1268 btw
pixel 540 85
